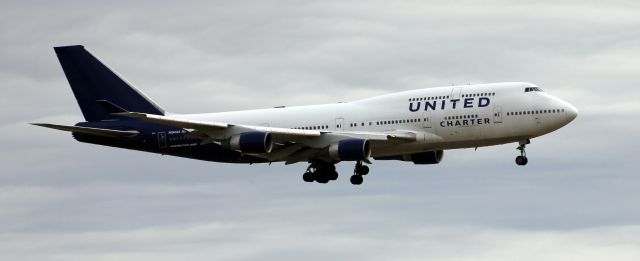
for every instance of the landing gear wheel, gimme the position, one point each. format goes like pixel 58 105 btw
pixel 321 172
pixel 356 179
pixel 358 172
pixel 322 176
pixel 308 177
pixel 322 179
pixel 362 170
pixel 333 175
pixel 522 160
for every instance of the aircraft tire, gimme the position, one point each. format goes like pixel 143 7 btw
pixel 333 175
pixel 308 177
pixel 356 179
pixel 521 160
pixel 363 170
pixel 322 179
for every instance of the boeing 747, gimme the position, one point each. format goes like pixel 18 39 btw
pixel 415 126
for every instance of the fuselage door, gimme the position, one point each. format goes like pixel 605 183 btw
pixel 162 140
pixel 339 123
pixel 455 93
pixel 497 114
pixel 426 121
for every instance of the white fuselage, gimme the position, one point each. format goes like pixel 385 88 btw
pixel 444 117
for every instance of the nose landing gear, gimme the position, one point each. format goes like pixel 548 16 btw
pixel 522 159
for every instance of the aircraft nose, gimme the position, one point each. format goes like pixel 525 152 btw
pixel 572 112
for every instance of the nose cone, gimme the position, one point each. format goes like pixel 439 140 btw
pixel 561 114
pixel 572 112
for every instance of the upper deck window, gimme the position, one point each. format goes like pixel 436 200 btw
pixel 533 89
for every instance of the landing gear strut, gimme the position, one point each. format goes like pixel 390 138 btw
pixel 321 172
pixel 522 159
pixel 359 171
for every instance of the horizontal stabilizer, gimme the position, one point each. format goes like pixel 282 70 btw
pixel 90 131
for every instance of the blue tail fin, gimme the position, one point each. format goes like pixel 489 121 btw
pixel 93 83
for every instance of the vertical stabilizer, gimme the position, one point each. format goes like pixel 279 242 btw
pixel 93 83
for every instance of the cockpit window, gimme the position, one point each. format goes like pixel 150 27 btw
pixel 533 89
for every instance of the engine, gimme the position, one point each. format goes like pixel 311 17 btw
pixel 429 157
pixel 350 150
pixel 250 142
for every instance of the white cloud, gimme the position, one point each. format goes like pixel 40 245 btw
pixel 273 241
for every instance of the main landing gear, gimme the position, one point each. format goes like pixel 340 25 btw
pixel 359 171
pixel 323 172
pixel 522 159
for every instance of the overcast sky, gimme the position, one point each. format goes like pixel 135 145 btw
pixel 576 200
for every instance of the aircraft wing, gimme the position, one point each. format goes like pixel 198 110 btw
pixel 219 130
pixel 290 145
pixel 294 144
pixel 216 129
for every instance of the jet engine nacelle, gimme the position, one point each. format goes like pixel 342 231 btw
pixel 250 142
pixel 429 157
pixel 350 150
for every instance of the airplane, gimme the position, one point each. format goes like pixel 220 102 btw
pixel 414 126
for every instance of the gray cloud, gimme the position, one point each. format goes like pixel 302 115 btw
pixel 61 200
